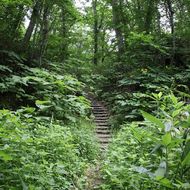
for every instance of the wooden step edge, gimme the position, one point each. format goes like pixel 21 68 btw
pixel 102 129
pixel 102 124
pixel 106 141
pixel 102 132
pixel 107 136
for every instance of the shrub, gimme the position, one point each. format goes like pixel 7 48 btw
pixel 42 154
pixel 153 154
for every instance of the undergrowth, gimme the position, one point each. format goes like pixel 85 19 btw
pixel 151 154
pixel 46 137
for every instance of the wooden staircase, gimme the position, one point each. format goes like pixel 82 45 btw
pixel 103 131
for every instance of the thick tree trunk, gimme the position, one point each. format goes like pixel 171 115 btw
pixel 33 21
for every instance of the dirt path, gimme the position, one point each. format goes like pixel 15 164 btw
pixel 103 133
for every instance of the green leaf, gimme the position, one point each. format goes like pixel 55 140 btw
pixel 174 99
pixel 24 186
pixel 153 119
pixel 166 139
pixel 186 161
pixel 161 171
pixel 186 149
pixel 43 104
pixel 5 156
pixel 166 182
pixel 176 112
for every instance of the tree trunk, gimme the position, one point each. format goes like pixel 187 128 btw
pixel 158 20
pixel 44 33
pixel 118 27
pixel 96 32
pixel 18 21
pixel 33 21
pixel 171 18
pixel 64 35
pixel 171 15
pixel 149 16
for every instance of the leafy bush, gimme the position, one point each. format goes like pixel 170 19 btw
pixel 153 154
pixel 48 144
pixel 131 92
pixel 37 154
pixel 45 88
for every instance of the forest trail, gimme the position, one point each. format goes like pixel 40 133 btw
pixel 103 133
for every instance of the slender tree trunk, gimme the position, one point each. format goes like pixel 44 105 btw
pixel 96 32
pixel 124 21
pixel 31 26
pixel 158 19
pixel 44 33
pixel 64 35
pixel 149 16
pixel 139 17
pixel 18 21
pixel 171 15
pixel 171 18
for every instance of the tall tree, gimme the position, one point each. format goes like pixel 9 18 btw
pixel 64 34
pixel 171 14
pixel 44 31
pixel 149 15
pixel 96 31
pixel 33 20
pixel 118 26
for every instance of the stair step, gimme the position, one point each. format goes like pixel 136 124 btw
pixel 103 132
pixel 103 117
pixel 104 141
pixel 104 135
pixel 102 124
pixel 98 108
pixel 100 112
pixel 100 120
pixel 103 128
pixel 103 146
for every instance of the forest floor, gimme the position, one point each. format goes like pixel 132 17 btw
pixel 103 134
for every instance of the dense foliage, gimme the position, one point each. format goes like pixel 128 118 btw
pixel 39 153
pixel 133 55
pixel 153 154
pixel 46 142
